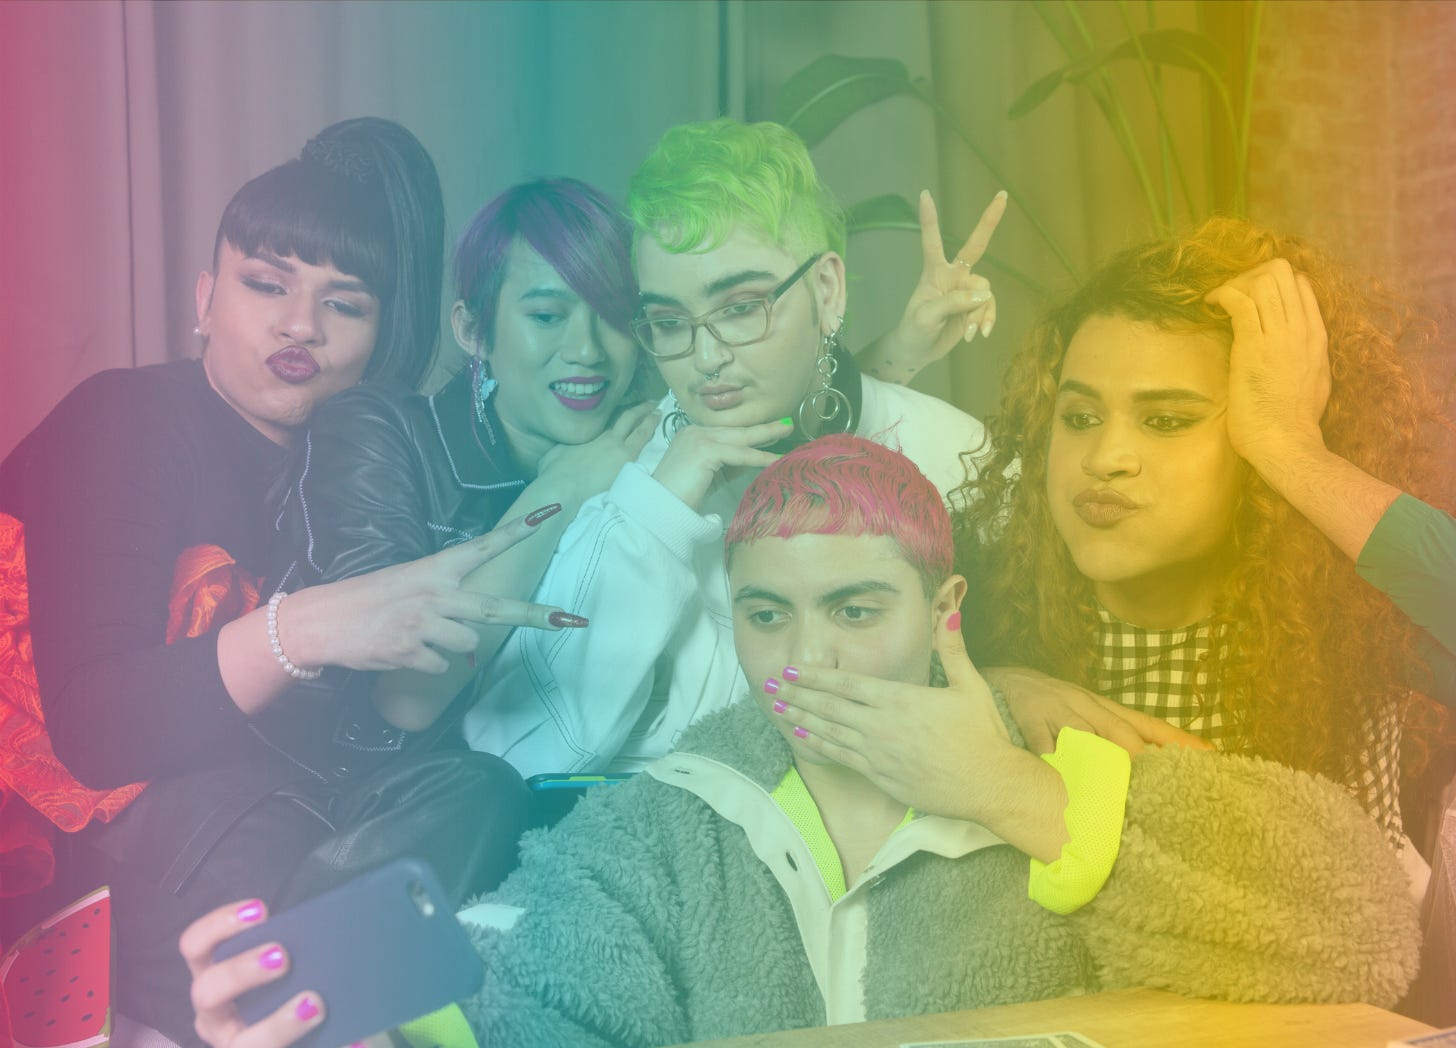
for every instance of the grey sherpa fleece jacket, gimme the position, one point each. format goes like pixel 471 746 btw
pixel 646 918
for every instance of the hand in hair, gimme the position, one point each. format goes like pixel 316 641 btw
pixel 951 302
pixel 1042 706
pixel 698 454
pixel 942 751
pixel 1279 383
pixel 1279 365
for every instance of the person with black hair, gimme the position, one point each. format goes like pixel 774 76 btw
pixel 153 726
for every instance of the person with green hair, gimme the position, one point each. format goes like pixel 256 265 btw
pixel 739 256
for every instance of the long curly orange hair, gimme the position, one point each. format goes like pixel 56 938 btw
pixel 1315 654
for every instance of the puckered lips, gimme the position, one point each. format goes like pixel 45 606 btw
pixel 293 364
pixel 580 392
pixel 1103 507
pixel 720 396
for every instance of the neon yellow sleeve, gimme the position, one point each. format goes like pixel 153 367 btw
pixel 446 1028
pixel 1096 774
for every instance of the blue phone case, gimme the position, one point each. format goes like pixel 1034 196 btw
pixel 381 950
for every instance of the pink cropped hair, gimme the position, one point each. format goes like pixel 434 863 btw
pixel 846 485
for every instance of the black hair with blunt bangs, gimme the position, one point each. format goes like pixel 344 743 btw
pixel 365 198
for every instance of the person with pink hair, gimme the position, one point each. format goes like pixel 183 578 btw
pixel 744 884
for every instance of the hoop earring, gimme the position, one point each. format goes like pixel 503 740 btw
pixel 674 422
pixel 482 385
pixel 826 404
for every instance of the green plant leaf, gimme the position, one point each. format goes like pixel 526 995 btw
pixel 1037 93
pixel 890 211
pixel 1178 47
pixel 1175 47
pixel 819 97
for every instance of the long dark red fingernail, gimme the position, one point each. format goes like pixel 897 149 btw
pixel 567 620
pixel 536 516
pixel 953 621
pixel 272 958
pixel 305 1009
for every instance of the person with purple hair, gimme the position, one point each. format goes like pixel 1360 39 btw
pixel 536 419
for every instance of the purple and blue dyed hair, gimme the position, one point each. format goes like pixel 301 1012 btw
pixel 847 485
pixel 571 225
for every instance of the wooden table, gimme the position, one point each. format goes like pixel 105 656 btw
pixel 1122 1019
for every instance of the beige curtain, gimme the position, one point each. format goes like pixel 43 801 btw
pixel 125 127
pixel 79 168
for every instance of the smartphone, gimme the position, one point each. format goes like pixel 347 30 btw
pixel 553 796
pixel 380 950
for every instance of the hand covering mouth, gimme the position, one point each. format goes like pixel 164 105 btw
pixel 293 364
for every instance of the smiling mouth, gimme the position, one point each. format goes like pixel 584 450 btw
pixel 579 394
pixel 293 364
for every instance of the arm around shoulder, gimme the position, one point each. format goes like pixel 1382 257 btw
pixel 1243 879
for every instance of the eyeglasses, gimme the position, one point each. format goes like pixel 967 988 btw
pixel 740 323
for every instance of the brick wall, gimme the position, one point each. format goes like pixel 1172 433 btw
pixel 1353 143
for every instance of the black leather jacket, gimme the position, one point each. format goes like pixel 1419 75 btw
pixel 382 477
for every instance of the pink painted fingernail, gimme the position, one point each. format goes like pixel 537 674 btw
pixel 305 1009
pixel 250 911
pixel 790 673
pixel 953 621
pixel 272 958
pixel 800 733
pixel 780 706
pixel 567 620
pixel 771 686
pixel 544 513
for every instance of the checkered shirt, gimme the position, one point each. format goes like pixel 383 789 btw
pixel 1156 672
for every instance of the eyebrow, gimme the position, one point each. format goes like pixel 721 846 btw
pixel 1142 396
pixel 716 287
pixel 554 293
pixel 346 284
pixel 834 596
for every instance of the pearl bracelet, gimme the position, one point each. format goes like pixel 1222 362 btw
pixel 296 672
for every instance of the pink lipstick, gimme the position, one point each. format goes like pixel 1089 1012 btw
pixel 293 364
pixel 578 392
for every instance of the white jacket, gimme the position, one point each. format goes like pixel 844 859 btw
pixel 647 570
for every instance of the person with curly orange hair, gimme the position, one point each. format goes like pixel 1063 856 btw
pixel 1201 499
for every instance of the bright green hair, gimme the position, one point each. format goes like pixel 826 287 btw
pixel 703 180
